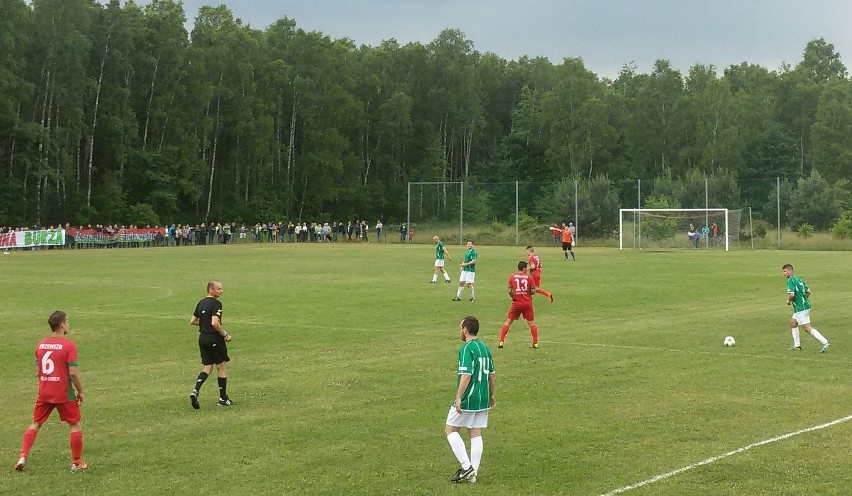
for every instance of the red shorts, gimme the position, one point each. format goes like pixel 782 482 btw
pixel 69 411
pixel 536 277
pixel 519 308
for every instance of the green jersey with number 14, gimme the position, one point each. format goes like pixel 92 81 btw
pixel 475 360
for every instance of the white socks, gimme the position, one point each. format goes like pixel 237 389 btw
pixel 446 276
pixel 459 292
pixel 476 452
pixel 434 277
pixel 818 336
pixel 457 444
pixel 471 293
pixel 796 342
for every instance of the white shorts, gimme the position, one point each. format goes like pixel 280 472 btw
pixel 471 420
pixel 803 317
pixel 467 277
pixel 439 262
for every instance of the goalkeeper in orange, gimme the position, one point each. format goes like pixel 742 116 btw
pixel 567 240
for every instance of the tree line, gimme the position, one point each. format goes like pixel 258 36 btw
pixel 115 113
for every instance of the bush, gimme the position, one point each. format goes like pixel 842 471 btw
pixel 842 229
pixel 142 214
pixel 805 230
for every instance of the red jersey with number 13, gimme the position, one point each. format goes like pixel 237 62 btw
pixel 521 284
pixel 53 357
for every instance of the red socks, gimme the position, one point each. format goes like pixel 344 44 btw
pixel 534 332
pixel 76 439
pixel 29 440
pixel 503 331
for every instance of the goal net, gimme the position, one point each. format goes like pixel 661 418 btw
pixel 713 228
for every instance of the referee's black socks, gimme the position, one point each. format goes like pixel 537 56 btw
pixel 223 385
pixel 200 381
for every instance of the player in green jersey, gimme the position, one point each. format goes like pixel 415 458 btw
pixel 468 273
pixel 474 397
pixel 798 294
pixel 440 253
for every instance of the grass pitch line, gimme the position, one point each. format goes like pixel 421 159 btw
pixel 713 459
pixel 789 356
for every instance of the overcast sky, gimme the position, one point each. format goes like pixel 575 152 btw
pixel 606 34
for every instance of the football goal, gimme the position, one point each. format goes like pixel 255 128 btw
pixel 665 228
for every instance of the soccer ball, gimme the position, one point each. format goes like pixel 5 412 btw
pixel 729 341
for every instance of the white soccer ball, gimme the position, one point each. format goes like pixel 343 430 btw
pixel 729 341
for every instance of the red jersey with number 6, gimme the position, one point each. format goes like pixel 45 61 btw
pixel 521 285
pixel 53 357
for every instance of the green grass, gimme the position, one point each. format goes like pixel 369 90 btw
pixel 343 368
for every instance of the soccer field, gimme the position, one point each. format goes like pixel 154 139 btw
pixel 344 360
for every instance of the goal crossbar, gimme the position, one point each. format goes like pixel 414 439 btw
pixel 658 212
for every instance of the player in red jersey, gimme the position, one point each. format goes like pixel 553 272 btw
pixel 521 289
pixel 56 360
pixel 534 269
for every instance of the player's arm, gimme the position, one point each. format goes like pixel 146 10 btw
pixel 511 289
pixel 790 296
pixel 464 381
pixel 491 380
pixel 193 320
pixel 448 255
pixel 217 325
pixel 77 381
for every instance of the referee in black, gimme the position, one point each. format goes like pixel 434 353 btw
pixel 211 341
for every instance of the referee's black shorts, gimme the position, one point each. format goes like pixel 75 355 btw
pixel 566 246
pixel 213 349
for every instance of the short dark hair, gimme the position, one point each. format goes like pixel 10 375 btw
pixel 530 248
pixel 522 265
pixel 787 266
pixel 56 319
pixel 471 323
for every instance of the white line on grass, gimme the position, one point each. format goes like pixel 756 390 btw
pixel 791 356
pixel 712 459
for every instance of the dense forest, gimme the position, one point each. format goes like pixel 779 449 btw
pixel 116 114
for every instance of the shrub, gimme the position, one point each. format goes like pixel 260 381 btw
pixel 805 230
pixel 842 229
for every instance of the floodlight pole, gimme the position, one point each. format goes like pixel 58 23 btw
pixel 461 212
pixel 517 227
pixel 408 215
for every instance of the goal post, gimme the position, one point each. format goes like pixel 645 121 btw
pixel 678 227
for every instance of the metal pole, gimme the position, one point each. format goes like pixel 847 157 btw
pixel 751 228
pixel 408 215
pixel 461 212
pixel 517 226
pixel 706 213
pixel 639 206
pixel 576 214
pixel 778 208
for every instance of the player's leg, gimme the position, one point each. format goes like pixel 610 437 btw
pixel 69 412
pixel 511 316
pixel 815 333
pixel 476 447
pixel 222 378
pixel 446 275
pixel 40 414
pixel 571 249
pixel 540 290
pixel 456 421
pixel 435 272
pixel 461 287
pixel 794 330
pixel 565 250
pixel 470 291
pixel 529 316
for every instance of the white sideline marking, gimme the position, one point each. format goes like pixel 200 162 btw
pixel 712 459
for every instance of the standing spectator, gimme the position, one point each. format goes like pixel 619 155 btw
pixel 56 361
pixel 474 397
pixel 379 231
pixel 403 230
pixel 365 229
pixel 555 232
pixel 521 289
pixel 212 341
